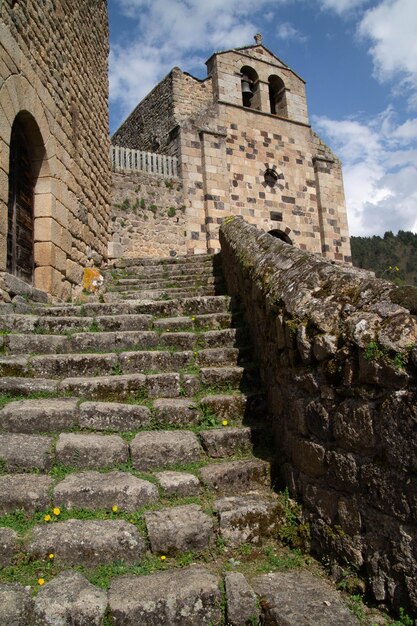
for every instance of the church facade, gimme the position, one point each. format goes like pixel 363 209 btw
pixel 245 147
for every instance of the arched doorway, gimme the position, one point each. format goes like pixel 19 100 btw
pixel 278 234
pixel 26 153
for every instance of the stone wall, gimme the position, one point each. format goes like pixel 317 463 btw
pixel 153 124
pixel 54 82
pixel 148 126
pixel 338 358
pixel 148 216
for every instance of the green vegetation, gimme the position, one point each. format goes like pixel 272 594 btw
pixel 393 257
pixel 171 211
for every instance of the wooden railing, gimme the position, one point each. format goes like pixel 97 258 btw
pixel 128 160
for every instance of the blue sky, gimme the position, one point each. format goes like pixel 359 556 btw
pixel 359 58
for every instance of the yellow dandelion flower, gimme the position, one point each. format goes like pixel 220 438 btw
pixel 163 557
pixel 46 518
pixel 115 508
pixel 41 581
pixel 51 556
pixel 225 423
pixel 56 511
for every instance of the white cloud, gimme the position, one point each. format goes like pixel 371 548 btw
pixel 288 32
pixel 380 171
pixel 392 28
pixel 342 6
pixel 176 32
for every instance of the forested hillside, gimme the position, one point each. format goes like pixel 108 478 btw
pixel 392 256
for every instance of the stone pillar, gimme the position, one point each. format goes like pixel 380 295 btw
pixel 331 207
pixel 215 184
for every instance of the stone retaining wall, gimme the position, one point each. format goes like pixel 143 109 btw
pixel 337 355
pixel 148 216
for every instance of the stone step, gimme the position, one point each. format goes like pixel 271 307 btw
pixel 163 262
pixel 233 477
pixel 94 490
pixel 102 416
pixel 56 415
pixel 160 294
pixel 189 596
pixel 228 441
pixel 24 453
pixel 195 305
pixel 173 530
pixel 28 492
pixel 154 450
pixel 19 344
pixel 185 280
pixel 91 450
pixel 87 542
pixel 250 519
pixel 40 416
pixel 122 387
pixel 178 484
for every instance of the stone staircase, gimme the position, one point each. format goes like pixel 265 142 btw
pixel 135 483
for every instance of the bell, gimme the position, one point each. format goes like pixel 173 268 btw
pixel 246 85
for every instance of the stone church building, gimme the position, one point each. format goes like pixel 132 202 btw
pixel 54 143
pixel 245 147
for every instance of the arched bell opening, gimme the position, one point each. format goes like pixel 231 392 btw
pixel 277 96
pixel 27 154
pixel 279 234
pixel 249 86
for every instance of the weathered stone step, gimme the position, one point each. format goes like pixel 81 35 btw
pixel 65 324
pixel 233 477
pixel 117 387
pixel 160 294
pixel 250 519
pixel 186 597
pixel 166 385
pixel 28 492
pixel 91 451
pixel 298 597
pixel 94 490
pixel 184 280
pixel 19 344
pixel 63 414
pixel 87 542
pixel 26 452
pixel 179 529
pixel 162 449
pixel 189 596
pixel 40 416
pixel 116 416
pixel 195 305
pixel 167 261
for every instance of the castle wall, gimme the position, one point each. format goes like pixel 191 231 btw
pixel 337 354
pixel 53 79
pixel 148 216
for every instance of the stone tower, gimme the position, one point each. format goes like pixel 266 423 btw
pixel 54 206
pixel 245 147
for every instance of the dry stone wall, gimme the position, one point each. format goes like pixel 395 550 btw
pixel 148 216
pixel 338 358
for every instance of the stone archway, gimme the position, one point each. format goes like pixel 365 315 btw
pixel 27 198
pixel 279 234
pixel 26 152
